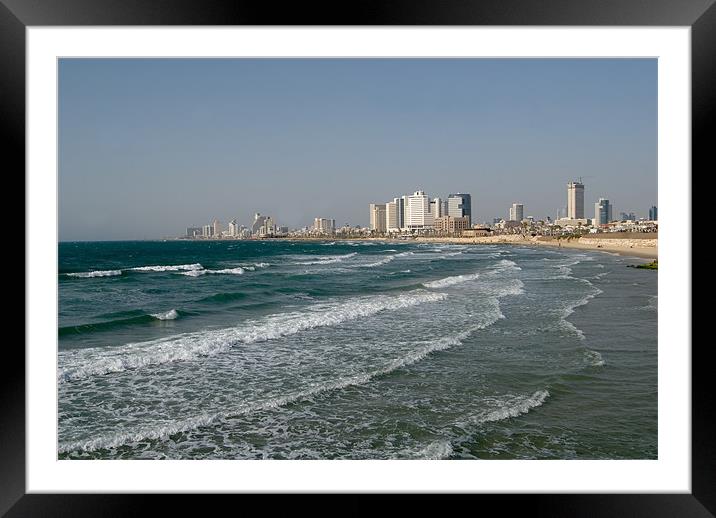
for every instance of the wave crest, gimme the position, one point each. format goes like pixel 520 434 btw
pixel 83 363
pixel 96 273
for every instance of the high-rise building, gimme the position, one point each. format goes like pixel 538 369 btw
pixel 392 218
pixel 459 205
pixel 405 213
pixel 400 207
pixel 575 200
pixel 436 208
pixel 602 212
pixel 517 212
pixel 207 231
pixel 233 228
pixel 418 215
pixel 324 225
pixel 653 213
pixel 377 217
pixel 217 227
pixel 258 223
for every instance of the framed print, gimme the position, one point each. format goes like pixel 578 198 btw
pixel 231 276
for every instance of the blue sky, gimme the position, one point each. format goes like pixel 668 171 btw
pixel 148 147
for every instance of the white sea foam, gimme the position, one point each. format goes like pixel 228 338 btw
pixel 381 262
pixel 169 268
pixel 164 431
pixel 568 310
pixel 169 315
pixel 193 273
pixel 514 406
pixel 226 271
pixel 450 281
pixel 594 358
pixel 436 451
pixel 498 409
pixel 82 363
pixel 96 273
pixel 505 265
pixel 328 259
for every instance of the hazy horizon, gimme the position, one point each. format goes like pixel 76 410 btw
pixel 148 147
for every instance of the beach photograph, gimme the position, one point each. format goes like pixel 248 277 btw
pixel 357 259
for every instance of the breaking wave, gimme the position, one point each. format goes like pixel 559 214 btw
pixel 450 281
pixel 96 273
pixel 328 259
pixel 169 268
pixel 82 363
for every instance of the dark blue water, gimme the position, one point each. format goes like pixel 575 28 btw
pixel 363 350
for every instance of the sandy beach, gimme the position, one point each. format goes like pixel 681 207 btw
pixel 633 245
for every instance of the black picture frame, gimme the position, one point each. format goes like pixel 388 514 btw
pixel 700 15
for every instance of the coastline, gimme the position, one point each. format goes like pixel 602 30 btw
pixel 643 246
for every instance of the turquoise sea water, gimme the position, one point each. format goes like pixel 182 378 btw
pixel 357 350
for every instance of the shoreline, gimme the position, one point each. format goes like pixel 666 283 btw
pixel 642 247
pixel 624 247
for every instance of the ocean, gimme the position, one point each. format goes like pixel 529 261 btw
pixel 282 349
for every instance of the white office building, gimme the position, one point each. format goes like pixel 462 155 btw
pixel 324 225
pixel 436 208
pixel 392 216
pixel 377 217
pixel 418 214
pixel 517 212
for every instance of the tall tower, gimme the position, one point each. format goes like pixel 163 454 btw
pixel 602 212
pixel 460 205
pixel 517 212
pixel 653 213
pixel 575 200
pixel 417 213
pixel 377 217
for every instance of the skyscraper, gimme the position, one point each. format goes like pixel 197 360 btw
pixel 575 200
pixel 405 212
pixel 418 215
pixel 460 205
pixel 653 213
pixel 392 223
pixel 517 212
pixel 377 217
pixel 602 212
pixel 400 212
pixel 233 228
pixel 258 223
pixel 436 207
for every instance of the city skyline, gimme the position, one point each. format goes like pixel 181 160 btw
pixel 148 147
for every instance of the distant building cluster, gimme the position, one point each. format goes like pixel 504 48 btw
pixel 419 214
pixel 262 226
